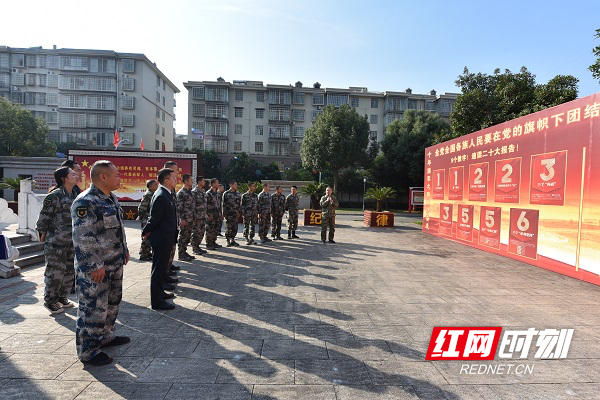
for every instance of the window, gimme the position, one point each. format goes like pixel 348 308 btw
pixel 279 131
pixel 337 99
pixel 52 62
pixel 279 114
pixel 163 115
pixel 18 79
pixel 198 93
pixel 218 145
pixel 237 146
pixel 157 131
pixel 157 113
pixel 239 95
pixel 198 110
pixel 72 120
pixel 260 130
pixel 429 105
pixel 41 80
pixel 282 97
pixel 216 110
pixel 52 81
pixel 163 101
pixel 30 78
pixel 101 121
pixel 315 113
pixel 295 148
pixel 298 131
pixel 128 84
pixel 213 93
pixel 395 104
pixel 198 127
pixel 374 118
pixel 374 103
pixel 318 99
pixel 70 63
pixel 17 60
pixel 197 144
pixel 258 147
pixel 102 65
pixel 164 85
pixel 157 97
pixel 298 115
pixel 127 102
pixel 4 60
pixel 354 101
pixel 163 131
pixel 216 128
pixel 298 98
pixel 52 117
pixel 52 99
pixel 156 145
pixel 238 129
pixel 279 148
pixel 4 80
pixel 127 119
pixel 260 97
pixel 158 80
pixel 126 138
pixel 128 65
pixel 412 104
pixel 87 83
pixel 16 97
pixel 239 112
pixel 260 113
pixel 373 135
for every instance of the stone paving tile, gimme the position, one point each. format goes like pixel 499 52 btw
pixel 122 369
pixel 393 372
pixel 159 346
pixel 279 372
pixel 124 390
pixel 4 355
pixel 359 350
pixel 226 348
pixel 339 372
pixel 34 343
pixel 293 392
pixel 290 349
pixel 214 391
pixel 322 332
pixel 368 392
pixel 42 366
pixel 69 348
pixel 458 392
pixel 181 370
pixel 547 391
pixel 27 389
pixel 39 326
pixel 4 336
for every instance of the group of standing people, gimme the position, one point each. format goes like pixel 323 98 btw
pixel 85 240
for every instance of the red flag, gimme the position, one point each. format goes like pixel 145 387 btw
pixel 116 139
pixel 142 144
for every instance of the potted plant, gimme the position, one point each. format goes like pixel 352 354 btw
pixel 315 191
pixel 379 217
pixel 11 183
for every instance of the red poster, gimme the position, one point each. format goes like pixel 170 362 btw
pixel 464 227
pixel 490 225
pixel 548 178
pixel 455 183
pixel 478 181
pixel 508 180
pixel 439 177
pixel 523 236
pixel 445 227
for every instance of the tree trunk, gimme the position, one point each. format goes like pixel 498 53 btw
pixel 379 205
pixel 336 178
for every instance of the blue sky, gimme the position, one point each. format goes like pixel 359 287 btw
pixel 382 45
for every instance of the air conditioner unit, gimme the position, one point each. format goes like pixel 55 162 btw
pixel 15 70
pixel 121 129
pixel 319 108
pixel 295 139
pixel 14 88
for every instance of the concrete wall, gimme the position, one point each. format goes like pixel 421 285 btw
pixel 41 169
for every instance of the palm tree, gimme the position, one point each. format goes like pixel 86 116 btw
pixel 379 194
pixel 11 183
pixel 315 191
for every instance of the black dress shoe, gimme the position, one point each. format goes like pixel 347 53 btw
pixel 99 359
pixel 164 306
pixel 331 241
pixel 170 279
pixel 167 286
pixel 168 295
pixel 117 341
pixel 172 273
pixel 175 268
pixel 323 240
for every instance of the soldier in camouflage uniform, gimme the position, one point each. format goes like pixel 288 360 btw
pixel 199 226
pixel 100 254
pixel 328 205
pixel 213 215
pixel 250 212
pixel 143 214
pixel 185 210
pixel 55 229
pixel 231 211
pixel 264 213
pixel 291 206
pixel 221 191
pixel 277 211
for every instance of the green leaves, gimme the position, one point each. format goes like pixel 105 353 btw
pixel 380 193
pixel 21 134
pixel 595 67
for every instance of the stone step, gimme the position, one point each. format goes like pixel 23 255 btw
pixel 29 247
pixel 17 238
pixel 30 259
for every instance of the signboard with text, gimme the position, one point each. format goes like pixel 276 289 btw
pixel 528 189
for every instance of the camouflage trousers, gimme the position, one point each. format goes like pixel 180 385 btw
pixel 145 248
pixel 98 309
pixel 185 235
pixel 231 226
pixel 60 273
pixel 292 220
pixel 327 222
pixel 249 225
pixel 198 228
pixel 276 225
pixel 213 225
pixel 263 225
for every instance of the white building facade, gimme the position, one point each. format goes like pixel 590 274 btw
pixel 85 95
pixel 268 121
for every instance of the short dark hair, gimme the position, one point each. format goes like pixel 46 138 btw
pixel 231 182
pixel 164 174
pixel 294 187
pixel 69 163
pixel 199 178
pixel 99 167
pixel 150 182
pixel 60 174
pixel 277 187
pixel 185 177
pixel 213 180
pixel 170 164
pixel 266 184
pixel 251 184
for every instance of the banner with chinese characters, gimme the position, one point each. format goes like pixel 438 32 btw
pixel 528 189
pixel 135 168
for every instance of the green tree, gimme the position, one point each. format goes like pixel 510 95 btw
pixel 315 191
pixel 242 168
pixel 339 138
pixel 351 181
pixel 488 100
pixel 21 134
pixel 210 163
pixel 401 162
pixel 595 67
pixel 379 194
pixel 298 173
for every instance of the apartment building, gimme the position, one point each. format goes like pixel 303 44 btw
pixel 268 121
pixel 85 95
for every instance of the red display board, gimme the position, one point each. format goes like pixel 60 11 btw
pixel 528 189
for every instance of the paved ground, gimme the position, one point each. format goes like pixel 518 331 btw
pixel 300 319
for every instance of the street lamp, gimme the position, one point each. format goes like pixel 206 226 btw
pixel 364 191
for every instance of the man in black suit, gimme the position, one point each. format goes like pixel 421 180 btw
pixel 162 230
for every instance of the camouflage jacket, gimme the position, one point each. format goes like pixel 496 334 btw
pixel 98 231
pixel 231 203
pixel 328 208
pixel 291 203
pixel 55 217
pixel 144 207
pixel 213 205
pixel 185 205
pixel 250 205
pixel 277 204
pixel 264 203
pixel 199 203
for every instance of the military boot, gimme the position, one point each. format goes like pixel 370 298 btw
pixel 289 233
pixel 294 235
